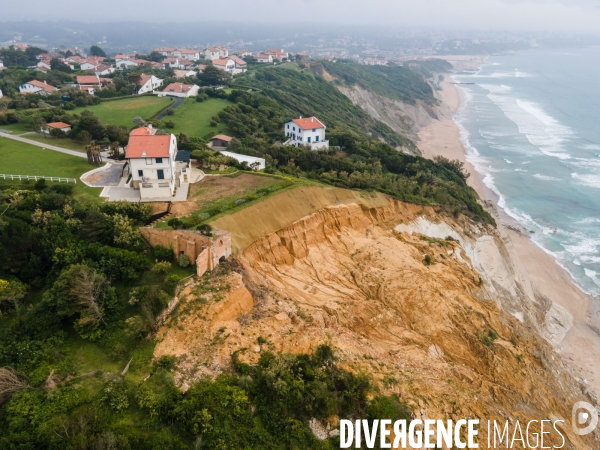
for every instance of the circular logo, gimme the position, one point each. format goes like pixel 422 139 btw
pixel 581 414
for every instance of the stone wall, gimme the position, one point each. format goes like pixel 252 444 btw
pixel 204 251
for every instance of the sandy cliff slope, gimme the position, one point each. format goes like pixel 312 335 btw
pixel 460 337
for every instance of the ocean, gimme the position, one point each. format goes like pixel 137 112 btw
pixel 530 123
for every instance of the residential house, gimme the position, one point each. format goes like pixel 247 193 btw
pixel 89 83
pixel 308 131
pixel 21 47
pixel 56 126
pixel 165 51
pixel 278 54
pixel 375 62
pixel 262 58
pixel 177 63
pixel 103 69
pixel 304 56
pixel 220 140
pixel 127 63
pixel 37 87
pixel 244 53
pixel 43 65
pixel 188 53
pixel 217 52
pixel 178 73
pixel 240 65
pixel 179 90
pixel 87 65
pixel 148 83
pixel 151 157
pixel 226 65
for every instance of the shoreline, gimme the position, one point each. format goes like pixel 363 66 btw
pixel 580 348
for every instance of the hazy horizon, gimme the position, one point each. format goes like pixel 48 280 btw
pixel 576 16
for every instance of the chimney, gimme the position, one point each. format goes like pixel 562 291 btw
pixel 45 82
pixel 312 119
pixel 301 117
pixel 149 126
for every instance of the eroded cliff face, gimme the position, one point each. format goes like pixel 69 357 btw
pixel 459 337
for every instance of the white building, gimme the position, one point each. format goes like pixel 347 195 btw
pixel 217 52
pixel 152 162
pixel 149 83
pixel 37 87
pixel 264 58
pixel 309 132
pixel 240 65
pixel 226 65
pixel 103 69
pixel 179 90
pixel 65 127
pixel 253 162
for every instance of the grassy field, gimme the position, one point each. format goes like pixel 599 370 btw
pixel 15 128
pixel 63 143
pixel 23 159
pixel 122 112
pixel 193 118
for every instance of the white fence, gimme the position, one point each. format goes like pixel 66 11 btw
pixel 5 176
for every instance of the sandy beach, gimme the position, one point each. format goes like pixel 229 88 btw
pixel 581 346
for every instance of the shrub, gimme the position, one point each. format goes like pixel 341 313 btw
pixel 170 124
pixel 184 261
pixel 161 267
pixel 172 280
pixel 427 260
pixel 205 229
pixel 175 223
pixel 163 254
pixel 64 189
pixel 170 111
pixel 40 184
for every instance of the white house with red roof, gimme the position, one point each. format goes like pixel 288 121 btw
pixel 152 162
pixel 308 131
pixel 240 65
pixel 226 65
pixel 179 90
pixel 216 52
pixel 89 83
pixel 37 87
pixel 62 126
pixel 148 83
pixel 262 58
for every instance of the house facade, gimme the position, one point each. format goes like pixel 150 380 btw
pixel 217 52
pixel 226 65
pixel 62 126
pixel 308 131
pixel 179 90
pixel 261 58
pixel 240 65
pixel 89 83
pixel 152 162
pixel 37 87
pixel 148 83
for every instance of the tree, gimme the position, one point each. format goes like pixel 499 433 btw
pixel 214 77
pixel 97 51
pixel 155 56
pixel 11 382
pixel 13 294
pixel 56 64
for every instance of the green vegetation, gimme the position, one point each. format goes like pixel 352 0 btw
pixel 396 82
pixel 307 94
pixel 122 112
pixel 193 118
pixel 24 159
pixel 79 299
pixel 62 142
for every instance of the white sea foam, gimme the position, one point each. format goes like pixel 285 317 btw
pixel 593 275
pixel 507 161
pixel 589 180
pixel 541 130
pixel 496 88
pixel 521 170
pixel 539 176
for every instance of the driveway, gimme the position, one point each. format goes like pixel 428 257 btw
pixel 177 104
pixel 43 145
pixel 109 175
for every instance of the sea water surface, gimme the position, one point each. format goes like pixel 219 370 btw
pixel 531 125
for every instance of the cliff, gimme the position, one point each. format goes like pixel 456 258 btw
pixel 429 305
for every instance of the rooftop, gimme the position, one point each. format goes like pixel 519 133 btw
pixel 309 123
pixel 148 146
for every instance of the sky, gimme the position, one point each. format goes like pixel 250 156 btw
pixel 535 15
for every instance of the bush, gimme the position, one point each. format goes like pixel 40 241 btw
pixel 172 280
pixel 40 184
pixel 175 223
pixel 170 124
pixel 184 261
pixel 161 267
pixel 169 111
pixel 427 260
pixel 163 254
pixel 64 189
pixel 205 229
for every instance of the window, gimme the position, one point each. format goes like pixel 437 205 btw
pixel 140 173
pixel 294 128
pixel 159 160
pixel 161 174
pixel 316 138
pixel 148 161
pixel 288 126
pixel 308 140
pixel 314 129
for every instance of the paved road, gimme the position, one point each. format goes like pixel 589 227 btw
pixel 178 102
pixel 46 146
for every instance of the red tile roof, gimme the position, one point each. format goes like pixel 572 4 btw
pixel 179 88
pixel 88 79
pixel 237 60
pixel 220 62
pixel 148 146
pixel 42 85
pixel 222 137
pixel 143 131
pixel 58 125
pixel 308 123
pixel 144 79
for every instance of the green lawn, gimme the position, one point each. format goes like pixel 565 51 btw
pixel 193 118
pixel 15 128
pixel 67 143
pixel 122 112
pixel 18 158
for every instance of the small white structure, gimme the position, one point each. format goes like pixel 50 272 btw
pixel 226 65
pixel 240 65
pixel 126 63
pixel 89 83
pixel 243 53
pixel 57 126
pixel 308 131
pixel 45 64
pixel 178 73
pixel 188 53
pixel 103 69
pixel 180 90
pixel 152 163
pixel 253 162
pixel 149 83
pixel 37 87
